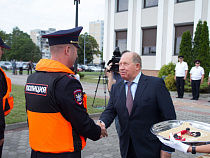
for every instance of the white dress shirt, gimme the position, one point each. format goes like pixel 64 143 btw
pixel 181 68
pixel 133 86
pixel 196 73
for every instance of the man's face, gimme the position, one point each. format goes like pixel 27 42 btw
pixel 128 70
pixel 181 59
pixel 73 55
pixel 197 64
pixel 1 52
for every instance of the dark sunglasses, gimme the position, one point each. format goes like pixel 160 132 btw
pixel 197 63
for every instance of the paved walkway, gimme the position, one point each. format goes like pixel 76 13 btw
pixel 16 136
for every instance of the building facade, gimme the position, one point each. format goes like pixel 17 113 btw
pixel 42 43
pixel 152 28
pixel 96 29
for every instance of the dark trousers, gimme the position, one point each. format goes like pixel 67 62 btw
pixel 37 154
pixel 195 84
pixel 180 86
pixel 29 70
pixel 131 152
pixel 1 148
pixel 20 70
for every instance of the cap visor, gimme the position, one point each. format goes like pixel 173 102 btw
pixel 5 46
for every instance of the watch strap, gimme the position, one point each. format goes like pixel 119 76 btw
pixel 193 150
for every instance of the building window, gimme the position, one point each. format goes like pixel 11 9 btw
pixel 122 5
pixel 121 40
pixel 150 3
pixel 179 30
pixel 178 1
pixel 149 41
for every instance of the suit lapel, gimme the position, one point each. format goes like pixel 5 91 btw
pixel 122 97
pixel 139 91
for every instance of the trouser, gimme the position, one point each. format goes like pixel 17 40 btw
pixel 20 70
pixel 1 148
pixel 37 154
pixel 180 86
pixel 195 84
pixel 29 70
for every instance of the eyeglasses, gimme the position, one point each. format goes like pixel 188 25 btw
pixel 197 63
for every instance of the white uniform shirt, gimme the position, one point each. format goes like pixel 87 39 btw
pixel 181 68
pixel 20 64
pixel 196 73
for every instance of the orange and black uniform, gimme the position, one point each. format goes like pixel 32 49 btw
pixel 3 90
pixel 58 121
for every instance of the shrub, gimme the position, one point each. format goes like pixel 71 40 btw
pixel 81 75
pixel 170 82
pixel 166 70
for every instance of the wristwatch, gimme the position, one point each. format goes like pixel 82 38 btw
pixel 193 150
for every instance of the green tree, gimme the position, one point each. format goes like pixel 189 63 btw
pixel 22 47
pixel 186 48
pixel 204 54
pixel 91 48
pixel 196 43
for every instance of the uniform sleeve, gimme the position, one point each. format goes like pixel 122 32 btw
pixel 203 71
pixel 2 121
pixel 68 97
pixel 186 66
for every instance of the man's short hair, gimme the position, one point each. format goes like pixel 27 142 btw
pixel 136 58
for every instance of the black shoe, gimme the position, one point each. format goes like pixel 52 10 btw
pixel 209 101
pixel 180 97
pixel 192 99
pixel 177 97
pixel 196 98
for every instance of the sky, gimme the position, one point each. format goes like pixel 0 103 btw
pixel 43 14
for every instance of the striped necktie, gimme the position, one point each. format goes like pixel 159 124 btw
pixel 129 99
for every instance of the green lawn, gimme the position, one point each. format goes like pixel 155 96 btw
pixel 18 113
pixel 93 77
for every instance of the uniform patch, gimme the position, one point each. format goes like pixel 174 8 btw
pixel 37 89
pixel 78 96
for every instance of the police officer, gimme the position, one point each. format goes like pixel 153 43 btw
pixel 56 104
pixel 181 70
pixel 196 78
pixel 3 90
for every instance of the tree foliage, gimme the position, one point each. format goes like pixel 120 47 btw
pixel 204 54
pixel 91 48
pixel 196 43
pixel 22 47
pixel 186 48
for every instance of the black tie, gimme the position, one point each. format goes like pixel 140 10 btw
pixel 129 99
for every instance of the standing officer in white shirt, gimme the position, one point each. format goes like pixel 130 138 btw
pixel 196 78
pixel 181 70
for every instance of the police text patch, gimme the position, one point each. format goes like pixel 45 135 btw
pixel 37 89
pixel 78 96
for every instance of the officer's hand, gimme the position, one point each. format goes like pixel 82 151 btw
pixel 1 141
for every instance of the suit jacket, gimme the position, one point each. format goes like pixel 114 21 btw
pixel 152 104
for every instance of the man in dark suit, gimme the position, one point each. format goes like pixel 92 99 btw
pixel 151 104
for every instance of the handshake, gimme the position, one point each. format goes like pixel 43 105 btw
pixel 103 129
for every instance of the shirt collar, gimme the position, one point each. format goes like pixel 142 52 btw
pixel 136 80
